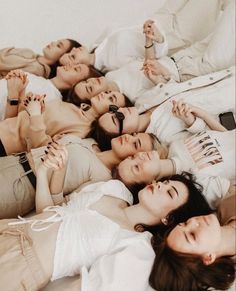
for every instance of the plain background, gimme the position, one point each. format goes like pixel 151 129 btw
pixel 35 23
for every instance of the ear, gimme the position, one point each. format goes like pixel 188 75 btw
pixel 165 220
pixel 208 258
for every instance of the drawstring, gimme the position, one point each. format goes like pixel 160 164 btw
pixel 23 237
pixel 35 223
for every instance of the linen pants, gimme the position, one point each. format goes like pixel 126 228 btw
pixel 17 195
pixel 20 266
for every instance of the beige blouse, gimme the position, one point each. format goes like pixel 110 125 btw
pixel 21 58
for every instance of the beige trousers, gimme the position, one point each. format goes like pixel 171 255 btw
pixel 20 267
pixel 17 195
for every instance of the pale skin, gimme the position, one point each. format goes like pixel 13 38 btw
pixel 144 167
pixel 17 81
pixel 121 148
pixel 152 34
pixel 205 237
pixel 147 211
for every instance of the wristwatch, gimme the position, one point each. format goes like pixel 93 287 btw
pixel 12 101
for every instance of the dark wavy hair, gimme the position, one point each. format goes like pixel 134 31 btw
pixel 195 205
pixel 176 271
pixel 53 67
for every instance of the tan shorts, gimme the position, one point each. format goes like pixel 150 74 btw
pixel 20 267
pixel 17 195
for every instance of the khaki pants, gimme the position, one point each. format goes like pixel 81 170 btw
pixel 17 195
pixel 20 267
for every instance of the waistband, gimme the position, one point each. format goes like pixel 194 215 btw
pixel 26 166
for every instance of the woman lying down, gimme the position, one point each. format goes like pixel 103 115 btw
pixel 66 240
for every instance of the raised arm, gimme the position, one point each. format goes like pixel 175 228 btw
pixel 34 105
pixel 155 45
pixel 55 160
pixel 16 84
pixel 188 113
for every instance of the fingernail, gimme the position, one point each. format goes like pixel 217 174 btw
pixel 42 159
pixel 50 142
pixel 46 152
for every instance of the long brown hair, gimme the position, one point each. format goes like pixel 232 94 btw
pixel 176 271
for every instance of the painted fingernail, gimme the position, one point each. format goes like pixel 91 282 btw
pixel 46 152
pixel 42 159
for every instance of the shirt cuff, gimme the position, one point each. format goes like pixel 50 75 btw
pixel 197 126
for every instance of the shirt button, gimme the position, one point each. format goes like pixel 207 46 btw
pixel 228 71
pixel 161 85
pixel 211 78
pixel 190 83
pixel 166 94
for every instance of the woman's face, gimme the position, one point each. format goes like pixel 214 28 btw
pixel 126 144
pixel 200 235
pixel 111 124
pixel 142 167
pixel 160 198
pixel 56 49
pixel 102 101
pixel 72 74
pixel 91 87
pixel 79 55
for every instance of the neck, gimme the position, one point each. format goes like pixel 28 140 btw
pixel 46 61
pixel 167 168
pixel 94 112
pixel 111 86
pixel 144 120
pixel 59 84
pixel 92 59
pixel 136 214
pixel 228 242
pixel 109 159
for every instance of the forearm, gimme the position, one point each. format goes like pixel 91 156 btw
pixel 149 50
pixel 12 109
pixel 37 132
pixel 56 186
pixel 43 195
pixel 212 123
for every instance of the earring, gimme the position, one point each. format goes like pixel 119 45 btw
pixel 164 220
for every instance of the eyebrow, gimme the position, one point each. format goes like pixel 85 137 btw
pixel 175 190
pixel 139 141
pixel 113 119
pixel 186 237
pixel 86 88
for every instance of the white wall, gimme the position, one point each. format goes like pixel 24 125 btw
pixel 34 23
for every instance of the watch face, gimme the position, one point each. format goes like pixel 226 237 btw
pixel 14 102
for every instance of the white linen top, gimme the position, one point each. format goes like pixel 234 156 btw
pixel 84 234
pixel 36 85
pixel 124 46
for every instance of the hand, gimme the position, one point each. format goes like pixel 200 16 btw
pixel 155 72
pixel 152 32
pixel 56 157
pixel 16 83
pixel 34 104
pixel 184 112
